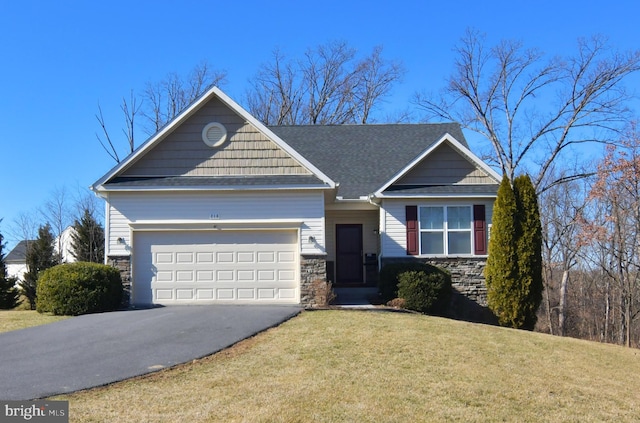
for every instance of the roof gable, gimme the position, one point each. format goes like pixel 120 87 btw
pixel 178 151
pixel 446 163
pixel 445 166
pixel 247 151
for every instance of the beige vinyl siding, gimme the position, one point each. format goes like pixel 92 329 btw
pixel 246 151
pixel 127 207
pixel 445 166
pixel 392 220
pixel 369 220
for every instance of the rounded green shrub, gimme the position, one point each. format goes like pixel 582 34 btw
pixel 79 288
pixel 388 279
pixel 428 293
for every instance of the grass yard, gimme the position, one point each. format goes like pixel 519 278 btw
pixel 356 366
pixel 20 319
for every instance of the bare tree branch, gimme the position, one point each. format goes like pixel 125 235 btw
pixel 527 107
pixel 111 150
pixel 328 86
pixel 160 102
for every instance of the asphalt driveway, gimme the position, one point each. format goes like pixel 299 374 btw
pixel 97 349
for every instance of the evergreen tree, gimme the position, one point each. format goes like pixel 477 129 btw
pixel 9 294
pixel 87 239
pixel 514 266
pixel 529 250
pixel 501 272
pixel 41 255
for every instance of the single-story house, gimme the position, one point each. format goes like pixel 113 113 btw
pixel 216 207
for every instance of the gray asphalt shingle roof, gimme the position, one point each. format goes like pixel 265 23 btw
pixel 18 254
pixel 362 158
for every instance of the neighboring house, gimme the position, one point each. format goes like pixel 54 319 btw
pixel 217 207
pixel 16 260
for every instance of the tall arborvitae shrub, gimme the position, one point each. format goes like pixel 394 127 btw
pixel 501 272
pixel 514 266
pixel 529 250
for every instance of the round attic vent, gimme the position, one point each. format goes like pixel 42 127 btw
pixel 214 134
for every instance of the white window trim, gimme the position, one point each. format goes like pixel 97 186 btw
pixel 445 230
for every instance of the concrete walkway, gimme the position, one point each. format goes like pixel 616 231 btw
pixel 98 349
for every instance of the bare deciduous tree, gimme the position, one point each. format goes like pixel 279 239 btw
pixel 130 109
pixel 615 229
pixel 160 102
pixel 58 216
pixel 277 94
pixel 561 214
pixel 533 110
pixel 329 85
pixel 24 227
pixel 165 99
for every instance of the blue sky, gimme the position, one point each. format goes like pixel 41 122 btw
pixel 59 59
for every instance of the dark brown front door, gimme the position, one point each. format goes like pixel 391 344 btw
pixel 349 263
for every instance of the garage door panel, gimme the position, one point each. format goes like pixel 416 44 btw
pixel 204 257
pixel 266 276
pixel 163 258
pixel 244 266
pixel 225 257
pixel 266 257
pixel 205 276
pixel 185 257
pixel 184 294
pixel 184 276
pixel 246 257
pixel 246 294
pixel 204 294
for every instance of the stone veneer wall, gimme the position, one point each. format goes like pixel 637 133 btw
pixel 312 268
pixel 123 264
pixel 467 277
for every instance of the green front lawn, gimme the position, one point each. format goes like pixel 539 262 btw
pixel 20 319
pixel 359 366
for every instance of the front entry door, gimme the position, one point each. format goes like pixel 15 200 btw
pixel 349 262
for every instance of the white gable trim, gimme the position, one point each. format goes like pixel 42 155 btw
pixel 456 145
pixel 188 112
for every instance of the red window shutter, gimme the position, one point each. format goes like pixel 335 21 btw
pixel 479 230
pixel 412 230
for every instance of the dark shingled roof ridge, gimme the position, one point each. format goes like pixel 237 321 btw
pixel 362 158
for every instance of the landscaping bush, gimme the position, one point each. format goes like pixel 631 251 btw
pixel 388 280
pixel 79 288
pixel 425 292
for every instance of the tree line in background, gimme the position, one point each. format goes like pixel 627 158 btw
pixel 45 246
pixel 592 250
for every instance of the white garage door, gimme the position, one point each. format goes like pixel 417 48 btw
pixel 215 266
